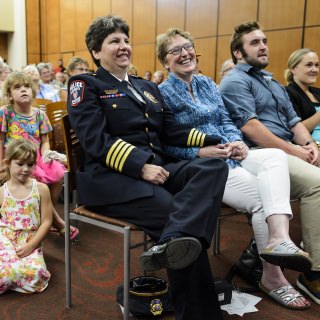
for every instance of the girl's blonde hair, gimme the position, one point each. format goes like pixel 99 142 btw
pixel 294 59
pixel 19 149
pixel 16 78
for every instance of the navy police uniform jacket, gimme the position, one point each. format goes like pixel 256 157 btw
pixel 119 134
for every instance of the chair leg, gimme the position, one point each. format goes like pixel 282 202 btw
pixel 145 241
pixel 216 244
pixel 67 241
pixel 126 275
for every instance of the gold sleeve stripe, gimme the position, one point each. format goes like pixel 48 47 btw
pixel 202 140
pixel 196 138
pixel 125 157
pixel 109 154
pixel 118 154
pixel 190 137
pixel 115 154
pixel 124 146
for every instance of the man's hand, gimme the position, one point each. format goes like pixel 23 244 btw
pixel 222 151
pixel 314 151
pixel 302 152
pixel 154 174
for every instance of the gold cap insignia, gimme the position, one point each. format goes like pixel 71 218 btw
pixel 150 97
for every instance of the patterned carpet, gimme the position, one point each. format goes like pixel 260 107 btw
pixel 97 271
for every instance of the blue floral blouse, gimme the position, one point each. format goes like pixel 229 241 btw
pixel 206 113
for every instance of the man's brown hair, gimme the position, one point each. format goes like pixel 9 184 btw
pixel 239 31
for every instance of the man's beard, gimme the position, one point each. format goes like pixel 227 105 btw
pixel 253 62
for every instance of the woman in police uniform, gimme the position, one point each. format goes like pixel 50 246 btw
pixel 122 123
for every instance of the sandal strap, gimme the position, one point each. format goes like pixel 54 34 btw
pixel 285 295
pixel 291 247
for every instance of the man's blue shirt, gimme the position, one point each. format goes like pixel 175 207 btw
pixel 251 93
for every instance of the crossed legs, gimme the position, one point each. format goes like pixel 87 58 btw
pixel 262 187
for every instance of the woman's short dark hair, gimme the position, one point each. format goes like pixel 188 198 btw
pixel 100 28
pixel 239 31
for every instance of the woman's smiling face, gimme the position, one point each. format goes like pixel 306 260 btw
pixel 115 53
pixel 184 62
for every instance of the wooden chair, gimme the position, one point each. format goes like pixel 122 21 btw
pixel 55 111
pixel 41 103
pixel 74 154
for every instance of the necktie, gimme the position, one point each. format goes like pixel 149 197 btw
pixel 134 91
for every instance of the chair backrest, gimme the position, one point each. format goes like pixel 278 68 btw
pixel 73 149
pixel 55 111
pixel 41 103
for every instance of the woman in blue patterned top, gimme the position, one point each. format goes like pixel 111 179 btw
pixel 254 175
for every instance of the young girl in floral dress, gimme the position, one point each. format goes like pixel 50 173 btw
pixel 25 219
pixel 20 120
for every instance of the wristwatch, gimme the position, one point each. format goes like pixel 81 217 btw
pixel 309 142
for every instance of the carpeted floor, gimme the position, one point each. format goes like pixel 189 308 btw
pixel 97 271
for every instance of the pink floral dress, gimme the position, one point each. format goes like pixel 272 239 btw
pixel 19 221
pixel 17 126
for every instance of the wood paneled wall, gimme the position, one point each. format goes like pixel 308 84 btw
pixel 56 28
pixel 4 46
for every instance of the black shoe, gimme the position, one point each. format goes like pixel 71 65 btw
pixel 310 287
pixel 177 253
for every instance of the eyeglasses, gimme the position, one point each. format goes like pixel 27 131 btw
pixel 82 69
pixel 177 50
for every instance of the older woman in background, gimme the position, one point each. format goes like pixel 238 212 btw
pixel 226 67
pixel 43 90
pixel 302 73
pixel 158 77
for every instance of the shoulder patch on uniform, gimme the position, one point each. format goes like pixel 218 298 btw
pixel 76 91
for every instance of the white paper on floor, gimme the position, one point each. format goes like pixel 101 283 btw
pixel 241 303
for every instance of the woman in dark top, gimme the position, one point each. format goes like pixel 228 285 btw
pixel 302 73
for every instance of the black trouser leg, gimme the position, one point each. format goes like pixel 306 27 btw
pixel 193 291
pixel 197 189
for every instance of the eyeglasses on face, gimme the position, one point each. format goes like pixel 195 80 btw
pixel 82 69
pixel 177 50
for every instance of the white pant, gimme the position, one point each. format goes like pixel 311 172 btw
pixel 261 187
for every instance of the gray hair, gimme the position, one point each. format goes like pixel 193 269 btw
pixel 43 65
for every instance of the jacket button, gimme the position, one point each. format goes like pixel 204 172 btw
pixel 146 115
pixel 114 106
